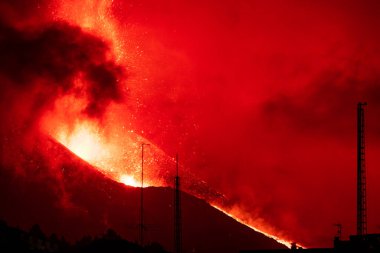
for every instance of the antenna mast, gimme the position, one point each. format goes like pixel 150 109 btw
pixel 142 196
pixel 177 213
pixel 361 183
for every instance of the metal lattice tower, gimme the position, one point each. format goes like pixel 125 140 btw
pixel 361 170
pixel 141 225
pixel 177 213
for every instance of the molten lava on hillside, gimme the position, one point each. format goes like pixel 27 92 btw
pixel 257 97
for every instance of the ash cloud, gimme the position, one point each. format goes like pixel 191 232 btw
pixel 55 55
pixel 40 64
pixel 327 106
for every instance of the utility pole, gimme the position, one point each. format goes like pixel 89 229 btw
pixel 361 176
pixel 177 212
pixel 142 196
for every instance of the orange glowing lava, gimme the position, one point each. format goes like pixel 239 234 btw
pixel 130 181
pixel 119 158
pixel 85 142
pixel 118 153
pixel 235 217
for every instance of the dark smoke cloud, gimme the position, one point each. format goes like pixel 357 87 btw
pixel 327 107
pixel 46 61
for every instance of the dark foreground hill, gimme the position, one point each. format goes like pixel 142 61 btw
pixel 50 186
pixel 17 240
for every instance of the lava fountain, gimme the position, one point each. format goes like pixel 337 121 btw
pixel 108 144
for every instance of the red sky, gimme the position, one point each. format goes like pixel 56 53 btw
pixel 257 97
pixel 262 96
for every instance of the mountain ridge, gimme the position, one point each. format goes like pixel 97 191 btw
pixel 68 196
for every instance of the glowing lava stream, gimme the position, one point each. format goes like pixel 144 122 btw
pixel 284 242
pixel 85 141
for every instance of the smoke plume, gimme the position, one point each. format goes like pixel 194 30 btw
pixel 41 64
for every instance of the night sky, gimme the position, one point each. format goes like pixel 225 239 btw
pixel 257 97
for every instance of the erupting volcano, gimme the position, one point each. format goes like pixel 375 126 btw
pixel 256 97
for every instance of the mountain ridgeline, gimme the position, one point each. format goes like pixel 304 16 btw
pixel 52 187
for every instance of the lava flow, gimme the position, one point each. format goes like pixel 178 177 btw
pixel 87 142
pixel 117 158
pixel 110 145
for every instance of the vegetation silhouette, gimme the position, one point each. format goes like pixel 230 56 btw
pixel 16 240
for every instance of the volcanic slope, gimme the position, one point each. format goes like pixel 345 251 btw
pixel 50 186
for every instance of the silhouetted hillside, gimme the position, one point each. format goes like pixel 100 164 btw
pixel 17 240
pixel 69 197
